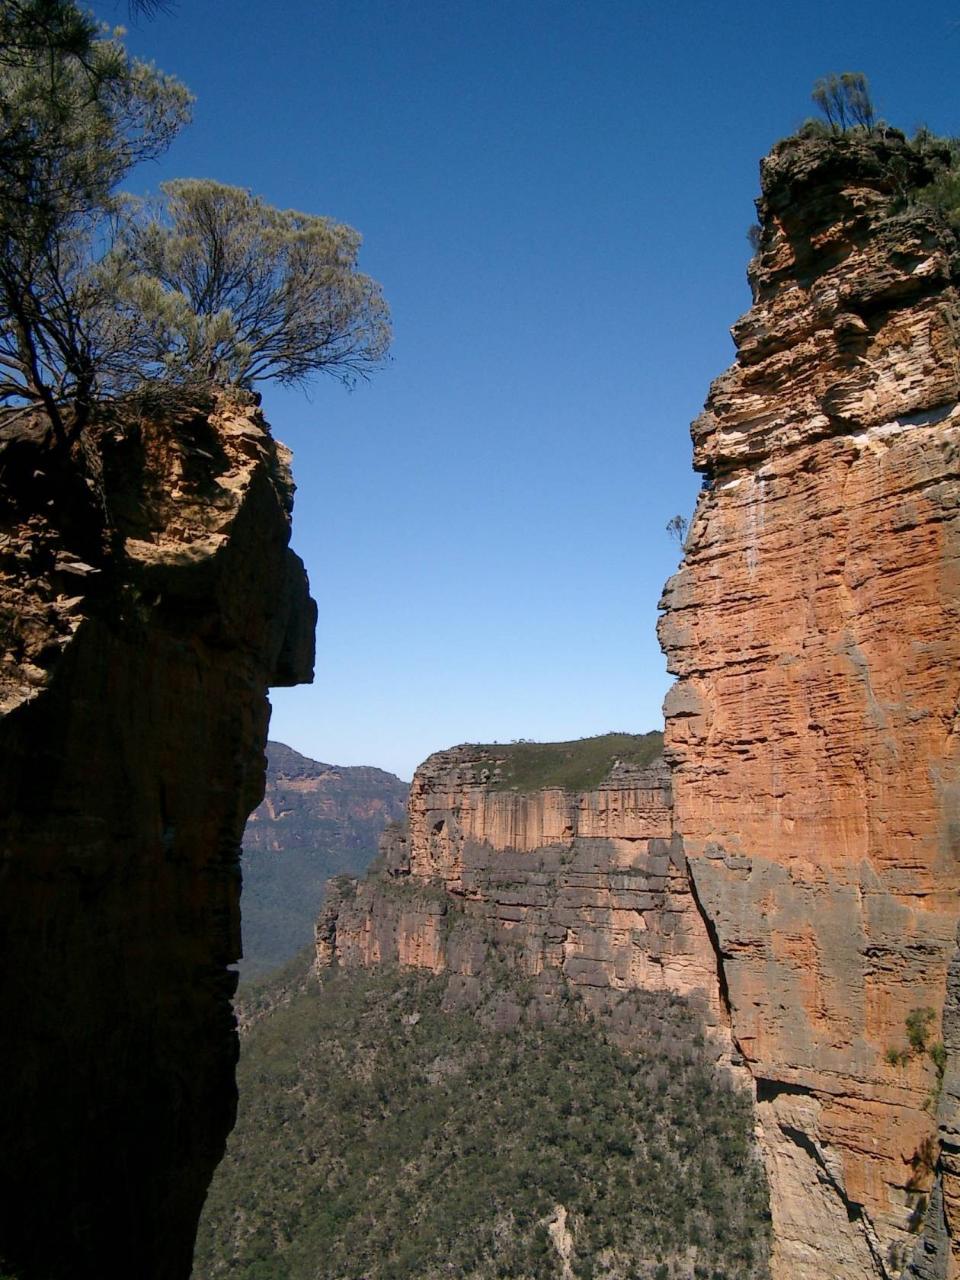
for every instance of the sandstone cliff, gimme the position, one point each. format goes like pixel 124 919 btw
pixel 147 599
pixel 813 729
pixel 804 889
pixel 584 886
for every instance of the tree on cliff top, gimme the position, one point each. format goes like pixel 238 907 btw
pixel 230 289
pixel 99 294
pixel 77 114
pixel 934 182
pixel 845 100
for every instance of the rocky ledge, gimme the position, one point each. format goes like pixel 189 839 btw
pixel 147 599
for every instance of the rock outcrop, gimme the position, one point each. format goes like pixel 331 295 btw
pixel 814 728
pixel 578 890
pixel 147 600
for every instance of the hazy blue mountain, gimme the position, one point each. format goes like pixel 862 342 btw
pixel 316 821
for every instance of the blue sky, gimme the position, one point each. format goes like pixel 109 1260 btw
pixel 555 196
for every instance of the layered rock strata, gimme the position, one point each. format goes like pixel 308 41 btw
pixel 147 599
pixel 584 890
pixel 814 729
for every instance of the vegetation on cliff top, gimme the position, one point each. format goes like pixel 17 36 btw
pixel 580 765
pixel 923 170
pixel 385 1134
pixel 103 296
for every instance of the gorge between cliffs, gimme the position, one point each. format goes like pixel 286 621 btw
pixel 789 867
pixel 782 866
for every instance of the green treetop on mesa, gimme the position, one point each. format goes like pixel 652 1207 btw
pixel 845 100
pixel 920 173
pixel 847 107
pixel 102 295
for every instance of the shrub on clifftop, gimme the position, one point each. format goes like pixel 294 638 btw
pixel 923 170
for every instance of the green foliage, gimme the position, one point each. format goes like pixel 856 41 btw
pixel 918 1023
pixel 938 1056
pixel 579 765
pixel 262 992
pixel 78 113
pixel 230 289
pixel 384 1134
pixel 923 171
pixel 942 192
pixel 99 294
pixel 845 101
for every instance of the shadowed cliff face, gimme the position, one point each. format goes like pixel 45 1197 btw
pixel 813 729
pixel 147 600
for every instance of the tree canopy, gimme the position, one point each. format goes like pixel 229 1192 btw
pixel 234 290
pixel 100 293
pixel 78 114
pixel 845 100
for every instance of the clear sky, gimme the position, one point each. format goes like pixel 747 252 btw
pixel 555 196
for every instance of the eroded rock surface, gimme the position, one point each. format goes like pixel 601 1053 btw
pixel 147 599
pixel 814 728
pixel 586 887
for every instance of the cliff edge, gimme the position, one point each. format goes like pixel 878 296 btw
pixel 147 599
pixel 577 889
pixel 813 729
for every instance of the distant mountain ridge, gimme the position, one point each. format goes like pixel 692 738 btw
pixel 317 820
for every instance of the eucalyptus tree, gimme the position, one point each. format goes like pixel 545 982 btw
pixel 76 114
pixel 845 101
pixel 101 293
pixel 230 289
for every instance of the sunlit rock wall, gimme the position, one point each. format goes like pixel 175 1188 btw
pixel 585 887
pixel 814 728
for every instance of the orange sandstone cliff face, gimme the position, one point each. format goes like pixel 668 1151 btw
pixel 814 728
pixel 804 889
pixel 147 600
pixel 586 887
